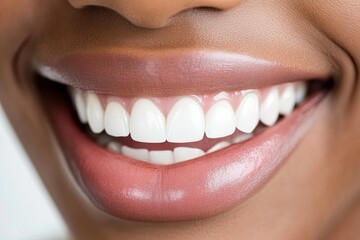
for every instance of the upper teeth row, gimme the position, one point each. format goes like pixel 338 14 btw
pixel 186 120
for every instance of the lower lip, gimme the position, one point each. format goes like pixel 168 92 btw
pixel 195 189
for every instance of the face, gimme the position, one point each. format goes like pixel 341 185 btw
pixel 206 119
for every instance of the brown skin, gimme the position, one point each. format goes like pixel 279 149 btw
pixel 315 195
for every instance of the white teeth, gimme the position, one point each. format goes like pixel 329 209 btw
pixel 220 120
pixel 182 154
pixel 248 113
pixel 114 147
pixel 138 154
pixel 147 123
pixel 242 138
pixel 162 157
pixel 301 91
pixel 79 104
pixel 269 110
pixel 218 146
pixel 95 113
pixel 116 120
pixel 287 100
pixel 185 122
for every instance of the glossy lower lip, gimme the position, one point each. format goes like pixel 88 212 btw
pixel 196 189
pixel 130 73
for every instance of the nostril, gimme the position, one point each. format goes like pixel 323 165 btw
pixel 154 14
pixel 145 16
pixel 80 3
pixel 208 9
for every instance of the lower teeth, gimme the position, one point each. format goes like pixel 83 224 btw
pixel 166 157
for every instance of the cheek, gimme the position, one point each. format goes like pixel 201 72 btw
pixel 339 19
pixel 343 20
pixel 16 19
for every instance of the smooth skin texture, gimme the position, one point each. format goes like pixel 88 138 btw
pixel 315 195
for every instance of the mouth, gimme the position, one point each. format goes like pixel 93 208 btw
pixel 170 130
pixel 148 139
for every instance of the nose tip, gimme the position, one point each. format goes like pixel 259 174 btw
pixel 153 13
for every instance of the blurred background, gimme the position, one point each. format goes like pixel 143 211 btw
pixel 26 210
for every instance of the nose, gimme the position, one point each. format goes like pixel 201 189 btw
pixel 153 13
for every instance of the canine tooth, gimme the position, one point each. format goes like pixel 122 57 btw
pixel 116 120
pixel 162 157
pixel 287 100
pixel 114 147
pixel 269 109
pixel 220 120
pixel 94 112
pixel 147 123
pixel 79 104
pixel 242 138
pixel 218 146
pixel 138 154
pixel 182 154
pixel 301 91
pixel 248 113
pixel 185 122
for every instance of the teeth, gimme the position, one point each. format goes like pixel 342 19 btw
pixel 301 93
pixel 147 123
pixel 116 120
pixel 218 146
pixel 138 154
pixel 220 120
pixel 287 100
pixel 114 147
pixel 95 113
pixel 247 114
pixel 185 122
pixel 269 110
pixel 182 154
pixel 79 105
pixel 162 157
pixel 242 138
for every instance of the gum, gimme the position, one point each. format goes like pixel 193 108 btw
pixel 206 100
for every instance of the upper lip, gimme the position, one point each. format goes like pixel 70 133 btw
pixel 167 73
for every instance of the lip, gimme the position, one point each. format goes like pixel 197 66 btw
pixel 190 190
pixel 131 73
pixel 195 189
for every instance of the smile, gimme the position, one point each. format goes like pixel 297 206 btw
pixel 172 143
pixel 175 129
